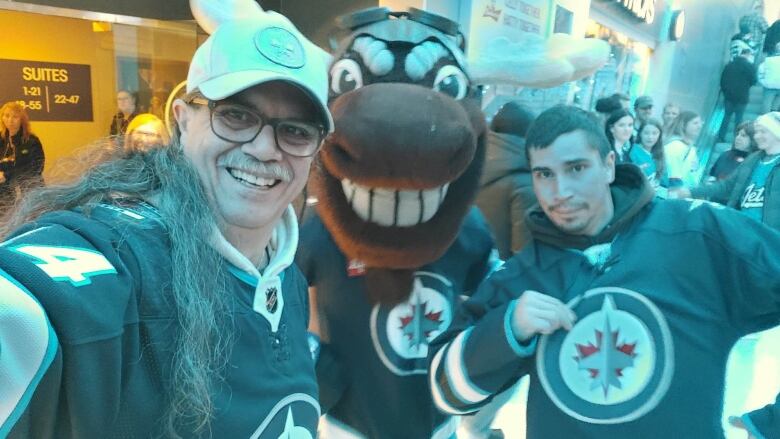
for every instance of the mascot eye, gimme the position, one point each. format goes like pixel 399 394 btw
pixel 345 75
pixel 451 81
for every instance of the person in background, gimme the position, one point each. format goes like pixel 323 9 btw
pixel 744 144
pixel 769 77
pixel 671 111
pixel 648 153
pixel 772 38
pixel 754 187
pixel 735 82
pixel 156 107
pixel 125 102
pixel 145 132
pixel 682 158
pixel 624 99
pixel 619 129
pixel 157 295
pixel 755 25
pixel 738 45
pixel 21 154
pixel 143 94
pixel 606 106
pixel 643 110
pixel 505 188
pixel 622 309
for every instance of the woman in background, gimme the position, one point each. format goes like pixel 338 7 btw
pixel 671 111
pixel 743 145
pixel 145 131
pixel 21 153
pixel 619 128
pixel 648 153
pixel 682 158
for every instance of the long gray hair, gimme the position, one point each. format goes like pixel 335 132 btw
pixel 198 283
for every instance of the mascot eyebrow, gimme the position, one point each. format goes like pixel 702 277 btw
pixel 422 59
pixel 375 54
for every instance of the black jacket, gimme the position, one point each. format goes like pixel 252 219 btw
pixel 727 163
pixel 119 123
pixel 772 37
pixel 737 78
pixel 22 160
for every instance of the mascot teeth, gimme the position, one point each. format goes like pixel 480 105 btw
pixel 390 207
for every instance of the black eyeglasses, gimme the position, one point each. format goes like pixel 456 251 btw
pixel 239 124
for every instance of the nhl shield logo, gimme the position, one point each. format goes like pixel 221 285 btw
pixel 271 299
pixel 616 363
pixel 401 334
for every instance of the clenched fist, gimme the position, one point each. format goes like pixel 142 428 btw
pixel 537 313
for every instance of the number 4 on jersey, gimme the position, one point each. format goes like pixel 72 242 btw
pixel 76 265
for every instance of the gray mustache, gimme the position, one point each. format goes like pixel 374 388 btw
pixel 238 160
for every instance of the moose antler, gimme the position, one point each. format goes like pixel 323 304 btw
pixel 211 13
pixel 535 62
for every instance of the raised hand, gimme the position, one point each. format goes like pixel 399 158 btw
pixel 537 313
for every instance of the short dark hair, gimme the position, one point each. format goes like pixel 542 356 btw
pixel 512 118
pixel 564 119
pixel 608 105
pixel 750 129
pixel 613 118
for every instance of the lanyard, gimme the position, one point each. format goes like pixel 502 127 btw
pixel 9 147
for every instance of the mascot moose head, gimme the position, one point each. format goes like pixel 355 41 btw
pixel 401 170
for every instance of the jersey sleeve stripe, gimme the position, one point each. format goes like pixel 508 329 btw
pixel 457 375
pixel 439 398
pixel 517 348
pixel 28 345
pixel 494 262
pixel 8 242
pixel 751 427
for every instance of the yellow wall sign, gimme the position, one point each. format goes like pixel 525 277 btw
pixel 49 91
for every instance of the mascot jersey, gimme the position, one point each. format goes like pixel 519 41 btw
pixel 87 331
pixel 377 388
pixel 659 305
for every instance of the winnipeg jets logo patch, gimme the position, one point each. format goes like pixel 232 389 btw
pixel 615 364
pixel 616 370
pixel 401 334
pixel 281 47
pixel 294 417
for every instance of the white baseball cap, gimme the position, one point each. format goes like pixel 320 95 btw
pixel 770 121
pixel 246 52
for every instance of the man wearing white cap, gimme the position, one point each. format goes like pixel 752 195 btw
pixel 157 296
pixel 754 188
